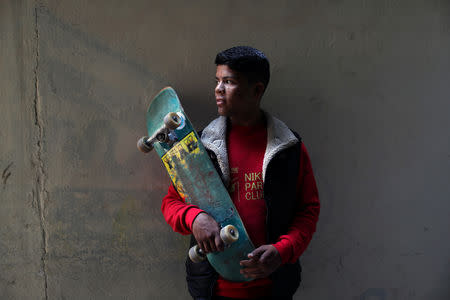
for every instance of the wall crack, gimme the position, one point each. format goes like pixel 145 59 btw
pixel 41 176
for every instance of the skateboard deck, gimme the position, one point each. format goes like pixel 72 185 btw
pixel 195 178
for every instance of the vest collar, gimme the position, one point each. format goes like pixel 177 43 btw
pixel 279 137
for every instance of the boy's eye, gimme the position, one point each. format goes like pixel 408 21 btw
pixel 226 81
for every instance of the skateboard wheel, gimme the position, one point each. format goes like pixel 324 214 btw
pixel 172 120
pixel 143 146
pixel 196 254
pixel 229 234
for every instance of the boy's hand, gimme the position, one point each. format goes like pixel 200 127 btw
pixel 207 233
pixel 262 262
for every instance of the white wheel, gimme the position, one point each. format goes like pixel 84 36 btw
pixel 143 146
pixel 196 254
pixel 229 234
pixel 172 120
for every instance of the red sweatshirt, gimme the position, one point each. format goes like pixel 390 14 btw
pixel 246 152
pixel 246 147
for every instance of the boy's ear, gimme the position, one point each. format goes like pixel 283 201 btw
pixel 259 89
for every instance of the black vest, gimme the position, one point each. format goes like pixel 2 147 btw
pixel 280 187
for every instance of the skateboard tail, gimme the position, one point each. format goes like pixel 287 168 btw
pixel 166 101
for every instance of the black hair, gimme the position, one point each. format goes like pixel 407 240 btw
pixel 247 60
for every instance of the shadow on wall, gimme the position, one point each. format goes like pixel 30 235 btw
pixel 104 197
pixel 94 101
pixel 374 294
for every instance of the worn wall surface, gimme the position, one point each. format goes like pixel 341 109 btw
pixel 22 246
pixel 364 82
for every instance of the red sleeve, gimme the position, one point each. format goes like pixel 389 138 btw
pixel 294 242
pixel 178 214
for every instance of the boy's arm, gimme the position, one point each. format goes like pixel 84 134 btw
pixel 294 242
pixel 178 214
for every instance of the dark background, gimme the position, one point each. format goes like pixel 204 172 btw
pixel 366 84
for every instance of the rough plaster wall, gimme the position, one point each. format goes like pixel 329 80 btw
pixel 364 82
pixel 22 247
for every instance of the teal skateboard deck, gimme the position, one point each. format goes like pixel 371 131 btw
pixel 194 176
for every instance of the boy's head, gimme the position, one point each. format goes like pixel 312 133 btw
pixel 248 61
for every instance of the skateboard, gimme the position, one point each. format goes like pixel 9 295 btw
pixel 172 136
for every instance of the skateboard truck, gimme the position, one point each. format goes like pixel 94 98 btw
pixel 229 234
pixel 171 122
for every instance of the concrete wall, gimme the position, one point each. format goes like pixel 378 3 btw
pixel 364 82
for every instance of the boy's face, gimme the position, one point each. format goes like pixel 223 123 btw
pixel 235 96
